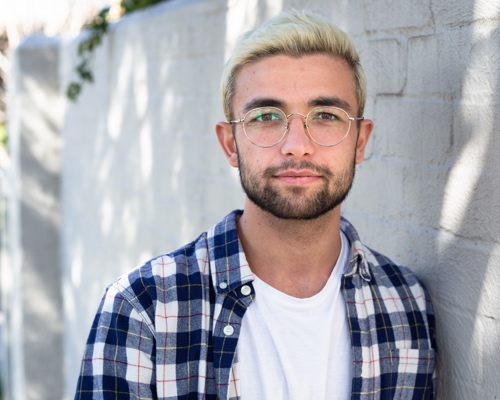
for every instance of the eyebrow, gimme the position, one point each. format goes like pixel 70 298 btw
pixel 333 101
pixel 263 102
pixel 322 101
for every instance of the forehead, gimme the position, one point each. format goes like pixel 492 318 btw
pixel 295 82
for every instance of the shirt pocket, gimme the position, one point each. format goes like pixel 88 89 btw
pixel 407 373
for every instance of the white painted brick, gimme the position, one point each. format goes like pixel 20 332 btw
pixel 478 46
pixel 392 14
pixel 417 130
pixel 470 205
pixel 435 66
pixel 453 383
pixel 462 12
pixel 461 274
pixel 384 62
pixel 463 62
pixel 422 196
pixel 474 130
pixel 378 188
pixel 490 298
pixel 491 349
pixel 455 326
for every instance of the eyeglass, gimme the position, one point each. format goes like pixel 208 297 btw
pixel 267 126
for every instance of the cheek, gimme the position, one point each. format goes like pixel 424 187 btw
pixel 350 152
pixel 249 156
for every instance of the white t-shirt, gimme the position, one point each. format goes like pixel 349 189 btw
pixel 291 348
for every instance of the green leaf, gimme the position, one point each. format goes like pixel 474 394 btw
pixel 98 27
pixel 73 91
pixel 84 71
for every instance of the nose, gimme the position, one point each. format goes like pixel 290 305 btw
pixel 297 141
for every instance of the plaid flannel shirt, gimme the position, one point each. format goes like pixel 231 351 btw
pixel 169 329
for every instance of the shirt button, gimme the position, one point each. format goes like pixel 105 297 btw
pixel 223 285
pixel 228 330
pixel 246 290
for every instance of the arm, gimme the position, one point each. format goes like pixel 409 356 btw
pixel 119 358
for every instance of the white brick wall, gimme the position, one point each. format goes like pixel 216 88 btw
pixel 428 195
pixel 142 171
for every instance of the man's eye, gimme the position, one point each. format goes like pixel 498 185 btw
pixel 327 116
pixel 266 117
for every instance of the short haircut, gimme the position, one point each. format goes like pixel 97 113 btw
pixel 294 33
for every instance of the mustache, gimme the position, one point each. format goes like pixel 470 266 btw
pixel 290 164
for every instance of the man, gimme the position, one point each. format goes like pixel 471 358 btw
pixel 281 300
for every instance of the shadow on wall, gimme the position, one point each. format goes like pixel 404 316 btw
pixel 39 145
pixel 448 210
pixel 432 173
pixel 468 292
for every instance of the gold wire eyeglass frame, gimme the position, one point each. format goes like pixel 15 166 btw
pixel 349 118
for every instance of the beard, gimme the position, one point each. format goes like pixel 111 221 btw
pixel 295 204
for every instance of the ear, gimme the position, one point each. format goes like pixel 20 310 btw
pixel 365 130
pixel 227 143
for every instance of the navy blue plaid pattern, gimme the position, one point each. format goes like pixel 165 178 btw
pixel 169 329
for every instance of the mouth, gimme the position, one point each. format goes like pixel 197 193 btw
pixel 298 177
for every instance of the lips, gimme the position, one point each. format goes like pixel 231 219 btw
pixel 297 174
pixel 300 177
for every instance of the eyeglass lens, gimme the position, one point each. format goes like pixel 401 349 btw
pixel 266 126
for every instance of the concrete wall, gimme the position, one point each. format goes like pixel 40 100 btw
pixel 142 172
pixel 33 281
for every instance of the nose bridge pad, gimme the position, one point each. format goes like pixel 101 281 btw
pixel 306 129
pixel 295 113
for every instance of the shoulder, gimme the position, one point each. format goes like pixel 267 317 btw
pixel 386 271
pixel 163 278
pixel 388 279
pixel 399 280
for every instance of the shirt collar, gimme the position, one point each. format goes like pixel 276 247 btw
pixel 358 262
pixel 230 269
pixel 228 264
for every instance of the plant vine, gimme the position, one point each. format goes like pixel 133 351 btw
pixel 98 28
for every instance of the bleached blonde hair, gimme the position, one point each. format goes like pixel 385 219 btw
pixel 294 33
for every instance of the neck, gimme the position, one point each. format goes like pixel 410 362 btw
pixel 294 256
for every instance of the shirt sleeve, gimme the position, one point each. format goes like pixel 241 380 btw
pixel 431 321
pixel 119 358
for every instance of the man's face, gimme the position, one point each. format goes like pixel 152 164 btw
pixel 297 178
